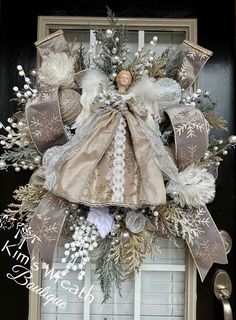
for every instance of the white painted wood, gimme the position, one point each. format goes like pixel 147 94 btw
pixel 46 316
pixel 92 45
pixel 137 296
pixel 34 301
pixel 115 300
pixel 87 284
pixel 141 39
pixel 144 267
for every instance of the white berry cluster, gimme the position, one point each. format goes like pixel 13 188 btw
pixel 77 251
pixel 29 90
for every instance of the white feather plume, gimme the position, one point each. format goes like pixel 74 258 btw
pixel 90 84
pixel 57 70
pixel 92 80
pixel 194 187
pixel 102 219
pixel 145 89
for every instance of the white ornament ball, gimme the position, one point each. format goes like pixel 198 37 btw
pixel 232 139
pixel 95 244
pixel 125 235
pixel 109 33
pixel 37 159
pixel 74 267
pixel 155 213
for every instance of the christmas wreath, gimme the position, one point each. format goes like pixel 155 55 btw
pixel 121 154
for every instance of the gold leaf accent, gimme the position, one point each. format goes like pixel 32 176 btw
pixel 28 197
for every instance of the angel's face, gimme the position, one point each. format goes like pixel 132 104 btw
pixel 124 78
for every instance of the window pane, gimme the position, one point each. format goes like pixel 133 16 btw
pixel 166 39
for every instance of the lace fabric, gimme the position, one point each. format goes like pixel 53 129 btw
pixel 118 165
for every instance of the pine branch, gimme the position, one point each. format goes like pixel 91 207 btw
pixel 173 62
pixel 113 48
pixel 108 270
pixel 18 154
pixel 81 61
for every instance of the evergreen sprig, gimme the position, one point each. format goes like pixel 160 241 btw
pixel 207 106
pixel 18 154
pixel 173 62
pixel 113 48
pixel 81 61
pixel 109 271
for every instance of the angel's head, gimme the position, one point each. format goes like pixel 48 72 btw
pixel 123 80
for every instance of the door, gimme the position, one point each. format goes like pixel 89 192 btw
pixel 217 76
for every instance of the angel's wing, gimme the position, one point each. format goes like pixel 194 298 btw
pixel 89 81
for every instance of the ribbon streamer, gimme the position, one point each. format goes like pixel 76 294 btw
pixel 208 247
pixel 44 121
pixel 46 224
pixel 191 136
pixel 194 60
pixel 53 43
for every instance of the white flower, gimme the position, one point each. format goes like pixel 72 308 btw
pixel 194 187
pixel 102 219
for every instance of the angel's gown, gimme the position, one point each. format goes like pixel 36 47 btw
pixel 115 158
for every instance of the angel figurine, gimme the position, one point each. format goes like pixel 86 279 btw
pixel 115 158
